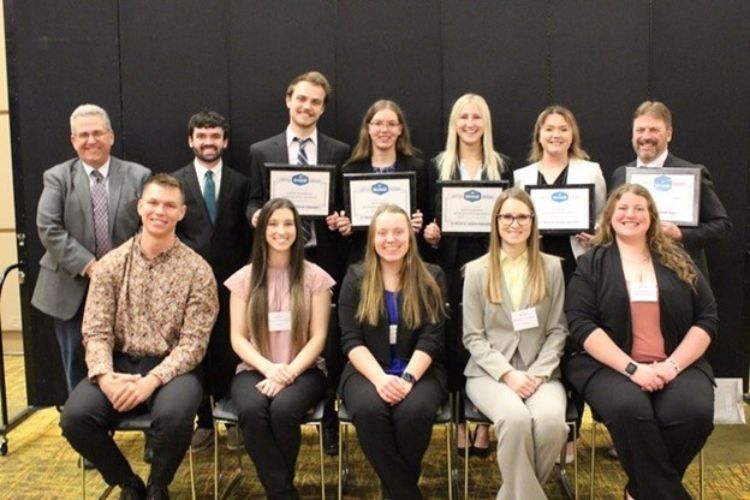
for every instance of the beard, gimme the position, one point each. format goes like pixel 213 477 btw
pixel 208 154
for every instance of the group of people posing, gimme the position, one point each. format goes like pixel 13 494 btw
pixel 141 321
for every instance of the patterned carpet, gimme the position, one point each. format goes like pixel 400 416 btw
pixel 40 464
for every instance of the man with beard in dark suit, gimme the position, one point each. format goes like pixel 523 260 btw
pixel 217 226
pixel 302 144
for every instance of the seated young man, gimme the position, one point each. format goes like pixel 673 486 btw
pixel 148 316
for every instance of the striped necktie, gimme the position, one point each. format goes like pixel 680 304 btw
pixel 308 228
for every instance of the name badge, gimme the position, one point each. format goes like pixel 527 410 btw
pixel 278 321
pixel 392 330
pixel 643 292
pixel 524 319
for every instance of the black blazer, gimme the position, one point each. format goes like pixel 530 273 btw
pixel 226 245
pixel 358 239
pixel 428 338
pixel 597 297
pixel 714 223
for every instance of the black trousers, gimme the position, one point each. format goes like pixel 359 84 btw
pixel 88 416
pixel 271 427
pixel 657 434
pixel 394 438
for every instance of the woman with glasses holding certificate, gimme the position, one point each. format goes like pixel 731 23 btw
pixel 515 330
pixel 559 160
pixel 384 147
pixel 469 156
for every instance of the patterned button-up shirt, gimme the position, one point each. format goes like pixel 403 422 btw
pixel 162 307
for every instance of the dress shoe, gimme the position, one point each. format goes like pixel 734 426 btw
pixel 202 438
pixel 331 441
pixel 133 489
pixel 156 492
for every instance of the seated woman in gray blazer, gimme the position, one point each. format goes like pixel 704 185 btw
pixel 392 316
pixel 559 160
pixel 514 329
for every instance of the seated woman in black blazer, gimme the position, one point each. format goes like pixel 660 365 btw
pixel 392 316
pixel 384 146
pixel 642 317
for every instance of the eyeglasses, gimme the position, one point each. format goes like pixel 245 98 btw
pixel 379 124
pixel 522 219
pixel 96 134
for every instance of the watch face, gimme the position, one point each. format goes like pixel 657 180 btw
pixel 408 377
pixel 631 368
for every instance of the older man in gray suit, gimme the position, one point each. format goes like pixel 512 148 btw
pixel 87 207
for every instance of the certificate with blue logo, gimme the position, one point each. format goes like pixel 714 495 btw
pixel 464 208
pixel 311 187
pixel 675 190
pixel 364 193
pixel 567 209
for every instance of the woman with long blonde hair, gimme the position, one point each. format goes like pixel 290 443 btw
pixel 469 155
pixel 279 309
pixel 515 330
pixel 392 316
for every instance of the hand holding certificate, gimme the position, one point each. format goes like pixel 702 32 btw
pixel 565 209
pixel 311 187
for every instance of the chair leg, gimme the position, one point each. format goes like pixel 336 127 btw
pixel 322 468
pixel 593 458
pixel 467 426
pixel 192 473
pixel 700 472
pixel 216 460
pixel 341 458
pixel 448 454
pixel 575 462
pixel 83 478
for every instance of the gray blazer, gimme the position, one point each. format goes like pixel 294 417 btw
pixel 65 223
pixel 488 328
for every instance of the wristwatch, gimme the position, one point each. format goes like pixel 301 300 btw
pixel 631 368
pixel 409 377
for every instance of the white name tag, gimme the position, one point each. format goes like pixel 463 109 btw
pixel 392 330
pixel 278 321
pixel 643 292
pixel 524 319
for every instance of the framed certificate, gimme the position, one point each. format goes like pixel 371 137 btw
pixel 310 187
pixel 465 208
pixel 364 193
pixel 565 209
pixel 675 190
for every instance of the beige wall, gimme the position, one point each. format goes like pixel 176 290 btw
pixel 10 309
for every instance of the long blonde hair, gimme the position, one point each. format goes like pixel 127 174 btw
pixel 671 255
pixel 257 303
pixel 422 298
pixel 574 151
pixel 449 159
pixel 536 277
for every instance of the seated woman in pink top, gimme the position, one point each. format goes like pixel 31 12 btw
pixel 279 310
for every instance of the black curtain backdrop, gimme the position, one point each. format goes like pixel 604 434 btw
pixel 153 64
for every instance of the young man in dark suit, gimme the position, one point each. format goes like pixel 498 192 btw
pixel 652 132
pixel 217 226
pixel 87 207
pixel 301 143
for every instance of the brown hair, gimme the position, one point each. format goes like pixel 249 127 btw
pixel 313 77
pixel 654 108
pixel 363 149
pixel 165 180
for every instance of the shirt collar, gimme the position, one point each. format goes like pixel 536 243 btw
pixel 104 169
pixel 159 258
pixel 290 136
pixel 657 163
pixel 201 169
pixel 507 259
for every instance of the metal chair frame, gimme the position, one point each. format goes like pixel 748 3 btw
pixel 224 412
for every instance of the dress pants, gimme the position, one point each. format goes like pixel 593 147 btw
pixel 68 333
pixel 656 434
pixel 88 417
pixel 394 438
pixel 271 427
pixel 530 433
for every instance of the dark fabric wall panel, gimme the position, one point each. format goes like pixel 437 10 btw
pixel 390 50
pixel 498 49
pixel 61 54
pixel 172 67
pixel 701 71
pixel 270 44
pixel 599 69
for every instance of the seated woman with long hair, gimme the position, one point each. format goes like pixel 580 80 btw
pixel 641 317
pixel 514 329
pixel 384 146
pixel 392 315
pixel 279 309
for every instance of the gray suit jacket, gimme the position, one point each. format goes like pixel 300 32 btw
pixel 488 328
pixel 65 223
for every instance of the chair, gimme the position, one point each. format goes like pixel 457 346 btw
pixel 595 421
pixel 138 422
pixel 225 412
pixel 473 416
pixel 443 417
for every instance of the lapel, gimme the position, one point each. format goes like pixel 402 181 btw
pixel 669 161
pixel 280 153
pixel 80 185
pixel 224 190
pixel 324 153
pixel 115 187
pixel 193 185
